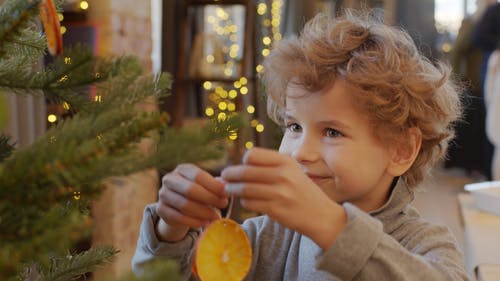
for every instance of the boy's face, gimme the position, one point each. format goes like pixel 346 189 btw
pixel 334 145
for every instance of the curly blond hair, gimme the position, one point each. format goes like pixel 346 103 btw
pixel 398 88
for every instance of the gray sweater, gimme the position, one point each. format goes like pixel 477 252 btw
pixel 390 243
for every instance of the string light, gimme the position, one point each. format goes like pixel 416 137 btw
pixel 232 94
pixel 52 118
pixel 84 5
pixel 209 111
pixel 259 128
pixel 221 97
pixel 248 144
pixel 207 85
pixel 66 106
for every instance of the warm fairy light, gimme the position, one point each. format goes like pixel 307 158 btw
pixel 84 5
pixel 63 29
pixel 221 92
pixel 233 54
pixel 210 58
pixel 250 109
pixel 277 36
pixel 231 106
pixel 266 40
pixel 244 90
pixel 237 84
pixel 222 105
pixel 209 111
pixel 98 98
pixel 63 79
pixel 232 94
pixel 259 128
pixel 254 123
pixel 222 116
pixel 220 12
pixel 261 9
pixel 265 52
pixel 60 16
pixel 51 118
pixel 243 80
pixel 207 85
pixel 259 68
pixel 67 60
pixel 233 136
pixel 65 105
pixel 249 144
pixel 228 71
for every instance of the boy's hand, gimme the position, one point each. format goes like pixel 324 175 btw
pixel 187 199
pixel 274 184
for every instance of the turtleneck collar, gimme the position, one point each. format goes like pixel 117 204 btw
pixel 401 196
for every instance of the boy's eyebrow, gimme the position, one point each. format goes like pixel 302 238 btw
pixel 334 123
pixel 325 123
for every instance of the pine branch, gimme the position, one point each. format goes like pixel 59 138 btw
pixel 71 267
pixel 67 79
pixel 6 147
pixel 17 21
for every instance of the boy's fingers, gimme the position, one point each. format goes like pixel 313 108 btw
pixel 188 207
pixel 192 190
pixel 263 157
pixel 203 178
pixel 251 190
pixel 173 217
pixel 247 173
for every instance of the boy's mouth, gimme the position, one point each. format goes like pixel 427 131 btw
pixel 317 178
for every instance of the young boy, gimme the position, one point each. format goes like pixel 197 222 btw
pixel 365 116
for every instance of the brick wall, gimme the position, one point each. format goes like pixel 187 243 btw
pixel 124 28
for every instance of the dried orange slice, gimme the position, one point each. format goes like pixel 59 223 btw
pixel 51 25
pixel 223 252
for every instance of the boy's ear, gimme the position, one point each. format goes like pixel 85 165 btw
pixel 405 153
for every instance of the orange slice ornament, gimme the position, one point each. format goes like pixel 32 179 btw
pixel 50 21
pixel 223 252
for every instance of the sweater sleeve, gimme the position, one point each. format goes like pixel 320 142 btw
pixel 363 251
pixel 149 247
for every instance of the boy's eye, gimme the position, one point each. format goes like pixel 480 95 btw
pixel 294 127
pixel 332 133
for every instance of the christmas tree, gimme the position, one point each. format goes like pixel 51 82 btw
pixel 46 187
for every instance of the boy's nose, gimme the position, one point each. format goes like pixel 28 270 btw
pixel 306 150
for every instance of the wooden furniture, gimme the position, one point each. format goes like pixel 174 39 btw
pixel 482 250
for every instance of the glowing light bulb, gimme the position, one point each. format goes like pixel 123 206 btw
pixel 207 85
pixel 259 128
pixel 52 118
pixel 209 111
pixel 250 109
pixel 249 144
pixel 84 5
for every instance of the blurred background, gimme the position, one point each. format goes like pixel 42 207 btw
pixel 214 49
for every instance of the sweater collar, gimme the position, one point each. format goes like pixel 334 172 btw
pixel 401 196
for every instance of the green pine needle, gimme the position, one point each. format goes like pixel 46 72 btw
pixel 73 266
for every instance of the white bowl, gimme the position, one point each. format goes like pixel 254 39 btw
pixel 486 195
